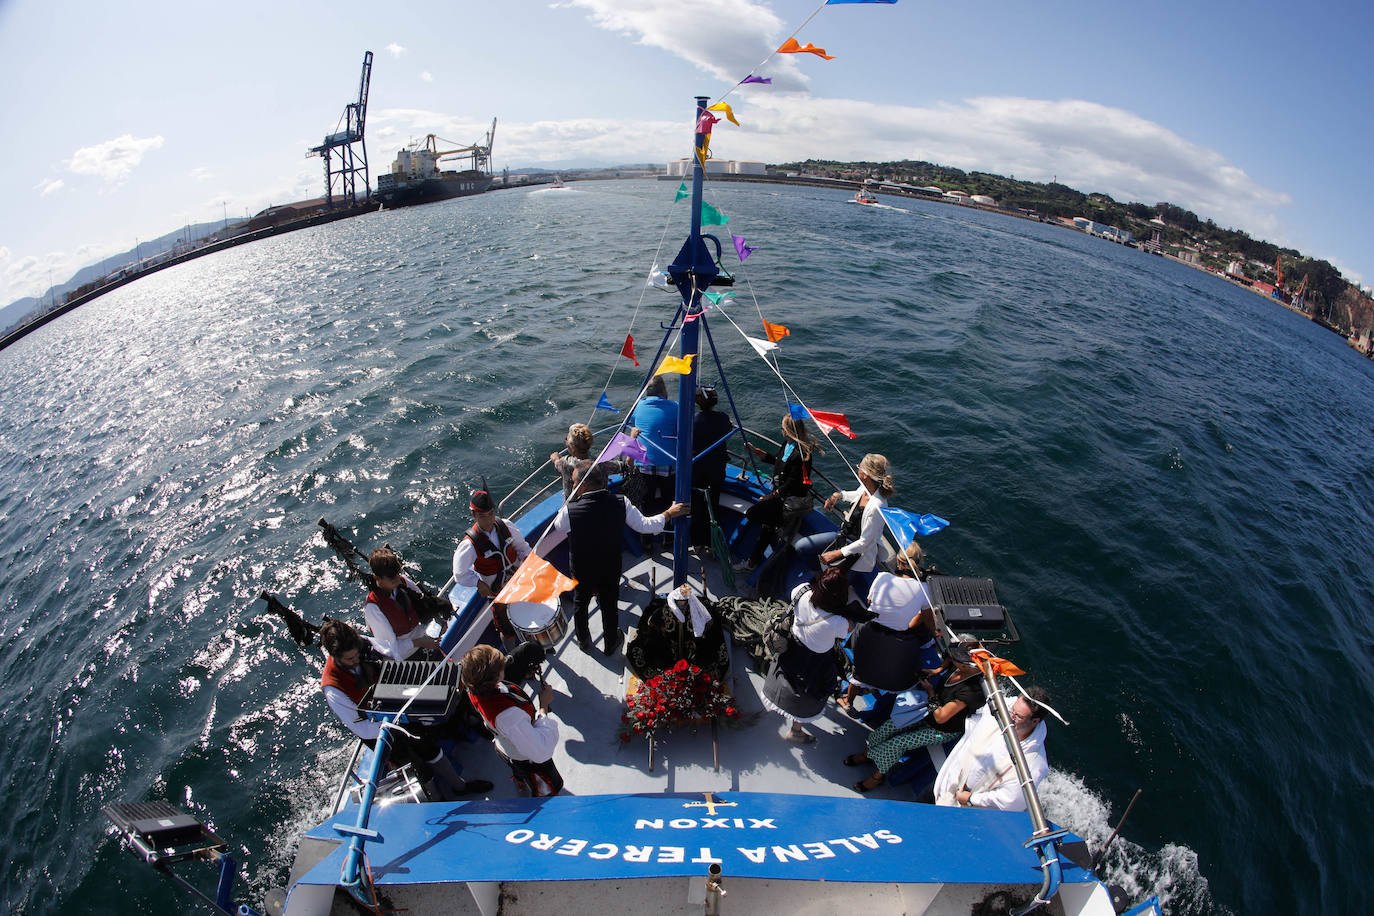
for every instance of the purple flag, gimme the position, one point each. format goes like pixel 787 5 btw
pixel 751 78
pixel 742 249
pixel 622 444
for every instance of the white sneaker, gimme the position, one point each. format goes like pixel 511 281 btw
pixel 744 566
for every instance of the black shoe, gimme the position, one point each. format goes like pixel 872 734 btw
pixel 613 643
pixel 476 787
pixel 584 643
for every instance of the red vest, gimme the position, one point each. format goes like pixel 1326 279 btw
pixel 401 615
pixel 490 561
pixel 354 685
pixel 491 705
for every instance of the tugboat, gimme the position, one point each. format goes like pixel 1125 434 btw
pixel 415 176
pixel 865 196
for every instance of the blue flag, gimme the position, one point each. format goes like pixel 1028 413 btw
pixel 907 525
pixel 605 404
pixel 797 411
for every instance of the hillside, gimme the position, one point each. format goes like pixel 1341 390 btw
pixel 1215 246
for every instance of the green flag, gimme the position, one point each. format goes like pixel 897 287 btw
pixel 716 297
pixel 682 192
pixel 710 216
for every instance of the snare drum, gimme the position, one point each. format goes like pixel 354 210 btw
pixel 545 624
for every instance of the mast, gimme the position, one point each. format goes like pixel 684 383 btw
pixel 691 272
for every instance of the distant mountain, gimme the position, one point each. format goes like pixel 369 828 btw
pixel 20 309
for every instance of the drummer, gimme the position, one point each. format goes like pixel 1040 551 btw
pixel 487 556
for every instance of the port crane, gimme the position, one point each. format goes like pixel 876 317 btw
pixel 478 153
pixel 348 147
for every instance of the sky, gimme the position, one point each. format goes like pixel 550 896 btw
pixel 122 122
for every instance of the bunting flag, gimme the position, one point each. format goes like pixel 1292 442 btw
pixel 775 332
pixel 907 525
pixel 742 249
pixel 704 150
pixel 629 348
pixel 535 581
pixel 790 46
pixel 682 365
pixel 707 121
pixel 751 78
pixel 797 411
pixel 710 216
pixel 621 444
pixel 717 298
pixel 761 347
pixel 682 192
pixel 729 112
pixel 998 665
pixel 693 316
pixel 836 421
pixel 605 404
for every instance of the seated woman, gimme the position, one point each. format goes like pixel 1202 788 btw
pixel 956 697
pixel 861 534
pixel 901 603
pixel 525 739
pixel 803 676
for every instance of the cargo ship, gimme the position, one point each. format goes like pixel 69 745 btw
pixel 416 178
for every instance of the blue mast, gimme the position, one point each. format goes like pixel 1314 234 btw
pixel 691 272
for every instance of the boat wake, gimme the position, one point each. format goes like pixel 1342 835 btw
pixel 1172 872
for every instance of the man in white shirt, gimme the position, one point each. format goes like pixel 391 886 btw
pixel 392 611
pixel 350 669
pixel 979 773
pixel 489 553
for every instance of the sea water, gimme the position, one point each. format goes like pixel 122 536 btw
pixel 1168 478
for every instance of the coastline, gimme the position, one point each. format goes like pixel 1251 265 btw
pixel 844 184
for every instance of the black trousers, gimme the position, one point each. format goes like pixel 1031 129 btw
pixel 606 588
pixel 531 775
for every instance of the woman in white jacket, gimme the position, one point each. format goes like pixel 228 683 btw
pixel 979 773
pixel 862 532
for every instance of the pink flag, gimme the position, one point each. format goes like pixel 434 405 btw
pixel 706 122
pixel 693 316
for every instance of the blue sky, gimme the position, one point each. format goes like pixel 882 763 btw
pixel 124 121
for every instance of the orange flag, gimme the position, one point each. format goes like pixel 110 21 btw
pixel 536 580
pixel 999 665
pixel 790 46
pixel 775 332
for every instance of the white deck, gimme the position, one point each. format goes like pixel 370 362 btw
pixel 590 698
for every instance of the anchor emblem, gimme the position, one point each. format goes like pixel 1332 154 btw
pixel 710 804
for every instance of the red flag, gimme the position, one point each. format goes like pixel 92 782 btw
pixel 629 348
pixel 836 421
pixel 775 332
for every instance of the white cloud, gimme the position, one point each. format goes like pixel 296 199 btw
pixel 394 49
pixel 114 159
pixel 725 38
pixel 201 173
pixel 48 186
pixel 427 76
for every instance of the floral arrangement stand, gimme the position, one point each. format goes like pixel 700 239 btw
pixel 682 695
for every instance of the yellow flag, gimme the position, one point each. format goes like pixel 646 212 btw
pixel 725 107
pixel 536 581
pixel 682 365
pixel 703 150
